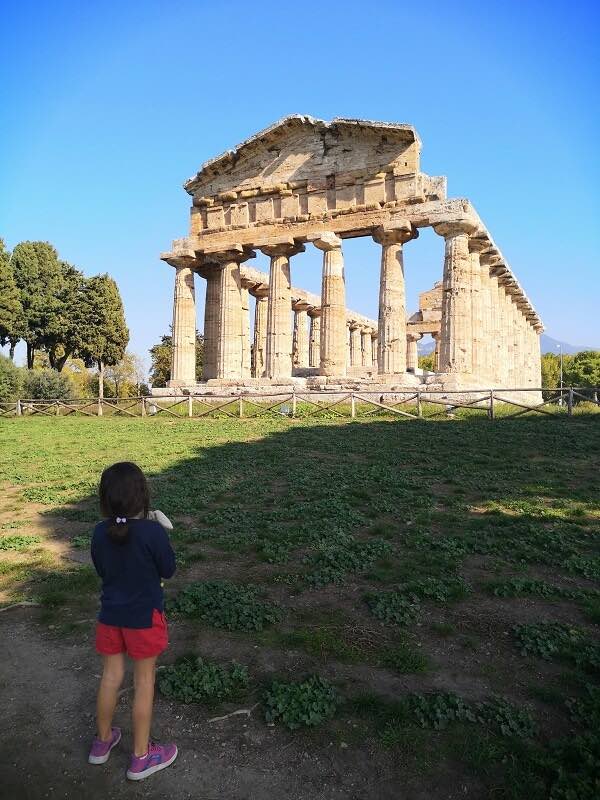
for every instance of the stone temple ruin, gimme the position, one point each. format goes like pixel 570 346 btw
pixel 304 181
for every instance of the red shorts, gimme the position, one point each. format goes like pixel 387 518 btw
pixel 136 642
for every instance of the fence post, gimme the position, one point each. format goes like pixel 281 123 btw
pixel 491 412
pixel 570 402
pixel 57 408
pixel 353 405
pixel 19 410
pixel 419 409
pixel 190 403
pixel 99 406
pixel 241 408
pixel 294 401
pixel 143 411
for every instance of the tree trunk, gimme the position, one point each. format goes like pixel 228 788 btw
pixel 101 379
pixel 11 351
pixel 30 355
pixel 60 362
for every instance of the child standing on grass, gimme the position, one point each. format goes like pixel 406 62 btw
pixel 131 553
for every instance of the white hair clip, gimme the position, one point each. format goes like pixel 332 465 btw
pixel 121 519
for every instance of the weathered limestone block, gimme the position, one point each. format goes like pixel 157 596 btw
pixel 229 344
pixel 184 329
pixel 246 349
pixel 279 332
pixel 456 352
pixel 391 356
pixel 480 309
pixel 366 348
pixel 333 306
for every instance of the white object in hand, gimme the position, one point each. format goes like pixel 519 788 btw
pixel 162 519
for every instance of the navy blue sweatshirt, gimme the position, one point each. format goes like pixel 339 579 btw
pixel 131 572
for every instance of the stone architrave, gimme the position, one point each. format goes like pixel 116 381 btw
pixel 333 306
pixel 279 328
pixel 211 321
pixel 246 348
pixel 456 350
pixel 260 333
pixel 229 342
pixel 391 355
pixel 366 348
pixel 183 365
pixel 314 346
pixel 355 345
pixel 412 353
pixel 300 345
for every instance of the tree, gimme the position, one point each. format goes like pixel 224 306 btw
pixel 427 362
pixel 65 339
pixel 550 370
pixel 127 375
pixel 11 380
pixel 583 370
pixel 160 355
pixel 46 384
pixel 39 277
pixel 11 311
pixel 104 334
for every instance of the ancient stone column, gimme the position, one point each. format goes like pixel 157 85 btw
pixel 246 350
pixel 366 348
pixel 300 339
pixel 355 345
pixel 456 350
pixel 260 333
pixel 229 344
pixel 508 337
pixel 374 349
pixel 391 344
pixel 211 320
pixel 493 333
pixel 412 353
pixel 314 347
pixel 333 306
pixel 501 373
pixel 480 310
pixel 183 361
pixel 437 337
pixel 279 329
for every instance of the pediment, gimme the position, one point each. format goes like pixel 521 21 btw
pixel 301 149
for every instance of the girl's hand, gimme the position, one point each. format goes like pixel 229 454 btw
pixel 162 519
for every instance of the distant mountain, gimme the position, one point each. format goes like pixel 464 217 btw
pixel 547 345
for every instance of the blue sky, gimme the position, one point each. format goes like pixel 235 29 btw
pixel 107 107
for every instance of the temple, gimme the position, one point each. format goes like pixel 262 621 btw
pixel 307 182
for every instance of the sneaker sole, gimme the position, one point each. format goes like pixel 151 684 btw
pixel 139 776
pixel 103 759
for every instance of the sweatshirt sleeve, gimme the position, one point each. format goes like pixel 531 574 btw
pixel 95 554
pixel 163 553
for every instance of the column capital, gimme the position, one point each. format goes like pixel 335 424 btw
pixel 287 247
pixel 414 337
pixel 314 311
pixel 478 245
pixel 327 240
pixel 300 305
pixel 457 227
pixel 397 232
pixel 490 258
pixel 235 252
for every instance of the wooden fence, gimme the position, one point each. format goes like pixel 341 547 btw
pixel 410 404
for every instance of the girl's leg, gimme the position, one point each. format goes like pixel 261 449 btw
pixel 110 683
pixel 143 699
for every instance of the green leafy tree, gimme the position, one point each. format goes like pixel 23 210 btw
pixel 65 339
pixel 12 325
pixel 11 380
pixel 127 375
pixel 160 355
pixel 46 384
pixel 427 362
pixel 39 277
pixel 583 369
pixel 550 370
pixel 103 336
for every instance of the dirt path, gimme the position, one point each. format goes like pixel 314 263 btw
pixel 47 688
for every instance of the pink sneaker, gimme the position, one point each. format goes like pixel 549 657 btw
pixel 158 757
pixel 100 750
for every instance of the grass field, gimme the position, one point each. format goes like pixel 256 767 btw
pixel 423 597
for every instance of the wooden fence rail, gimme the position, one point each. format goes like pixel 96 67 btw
pixel 493 403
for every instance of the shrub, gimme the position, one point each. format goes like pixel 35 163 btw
pixel 46 384
pixel 308 703
pixel 11 380
pixel 194 680
pixel 226 605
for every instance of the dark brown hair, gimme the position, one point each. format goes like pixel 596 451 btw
pixel 123 495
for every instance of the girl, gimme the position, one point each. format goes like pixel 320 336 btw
pixel 131 553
